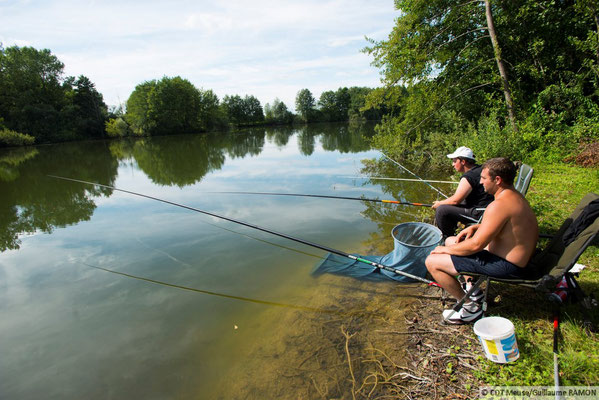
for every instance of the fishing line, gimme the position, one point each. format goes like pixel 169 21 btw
pixel 228 296
pixel 306 242
pixel 395 179
pixel 431 186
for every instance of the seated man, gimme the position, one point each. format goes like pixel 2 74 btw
pixel 500 246
pixel 469 195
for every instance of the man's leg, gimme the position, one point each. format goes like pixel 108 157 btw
pixel 441 268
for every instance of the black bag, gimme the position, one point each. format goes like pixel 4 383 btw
pixel 586 218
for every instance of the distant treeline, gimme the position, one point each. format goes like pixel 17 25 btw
pixel 39 105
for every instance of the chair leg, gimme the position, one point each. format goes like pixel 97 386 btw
pixel 486 292
pixel 461 302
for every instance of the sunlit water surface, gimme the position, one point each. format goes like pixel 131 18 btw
pixel 71 329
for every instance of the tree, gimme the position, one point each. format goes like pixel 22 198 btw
pixel 31 95
pixel 242 111
pixel 252 110
pixel 500 65
pixel 233 108
pixel 210 115
pixel 440 50
pixel 304 104
pixel 174 107
pixel 85 112
pixel 277 113
pixel 328 105
pixel 138 106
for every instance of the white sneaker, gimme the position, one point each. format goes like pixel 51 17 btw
pixel 476 296
pixel 469 312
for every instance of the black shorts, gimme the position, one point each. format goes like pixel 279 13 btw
pixel 486 263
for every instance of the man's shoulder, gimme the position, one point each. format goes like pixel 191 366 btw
pixel 473 173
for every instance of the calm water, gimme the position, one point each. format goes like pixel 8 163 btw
pixel 72 328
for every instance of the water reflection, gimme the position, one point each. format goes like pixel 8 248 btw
pixel 70 331
pixel 31 202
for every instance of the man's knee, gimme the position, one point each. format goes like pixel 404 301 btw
pixel 431 264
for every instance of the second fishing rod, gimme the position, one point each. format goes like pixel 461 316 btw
pixel 249 225
pixel 407 203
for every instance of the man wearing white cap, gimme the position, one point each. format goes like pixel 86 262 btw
pixel 469 198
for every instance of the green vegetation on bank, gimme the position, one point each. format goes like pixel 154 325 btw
pixel 37 102
pixel 444 87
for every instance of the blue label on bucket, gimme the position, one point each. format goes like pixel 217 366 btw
pixel 510 348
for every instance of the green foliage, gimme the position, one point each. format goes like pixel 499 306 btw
pixel 304 104
pixel 277 113
pixel 171 106
pixel 137 108
pixel 36 100
pixel 442 52
pixel 117 127
pixel 242 111
pixel 10 138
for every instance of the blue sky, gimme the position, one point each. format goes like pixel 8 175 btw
pixel 263 48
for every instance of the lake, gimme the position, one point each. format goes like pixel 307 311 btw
pixel 108 295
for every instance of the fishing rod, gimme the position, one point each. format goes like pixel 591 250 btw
pixel 431 186
pixel 308 243
pixel 395 179
pixel 228 296
pixel 330 197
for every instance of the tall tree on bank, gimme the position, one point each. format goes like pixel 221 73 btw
pixel 171 106
pixel 304 104
pixel 35 99
pixel 500 65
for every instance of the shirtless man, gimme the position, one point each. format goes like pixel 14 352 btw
pixel 500 246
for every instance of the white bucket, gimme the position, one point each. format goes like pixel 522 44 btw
pixel 498 339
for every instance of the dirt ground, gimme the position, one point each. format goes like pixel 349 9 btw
pixel 384 341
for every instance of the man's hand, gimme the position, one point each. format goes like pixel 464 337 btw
pixel 440 250
pixel 466 233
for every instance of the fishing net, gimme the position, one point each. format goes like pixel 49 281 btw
pixel 413 243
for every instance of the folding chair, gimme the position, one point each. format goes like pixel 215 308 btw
pixel 523 180
pixel 549 266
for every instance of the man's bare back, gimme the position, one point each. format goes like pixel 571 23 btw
pixel 517 238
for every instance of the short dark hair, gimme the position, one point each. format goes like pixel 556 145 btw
pixel 501 167
pixel 468 161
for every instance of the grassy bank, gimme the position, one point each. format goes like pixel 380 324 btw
pixel 555 191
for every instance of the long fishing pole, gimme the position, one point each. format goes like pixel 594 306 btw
pixel 228 296
pixel 382 178
pixel 431 186
pixel 308 243
pixel 330 197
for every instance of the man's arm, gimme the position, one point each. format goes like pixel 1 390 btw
pixel 459 196
pixel 494 218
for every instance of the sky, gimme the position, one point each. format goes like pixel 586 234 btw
pixel 265 48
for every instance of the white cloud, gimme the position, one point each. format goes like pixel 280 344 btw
pixel 264 48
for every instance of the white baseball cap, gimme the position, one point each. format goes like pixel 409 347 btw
pixel 463 152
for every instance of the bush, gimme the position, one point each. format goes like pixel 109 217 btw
pixel 117 127
pixel 10 138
